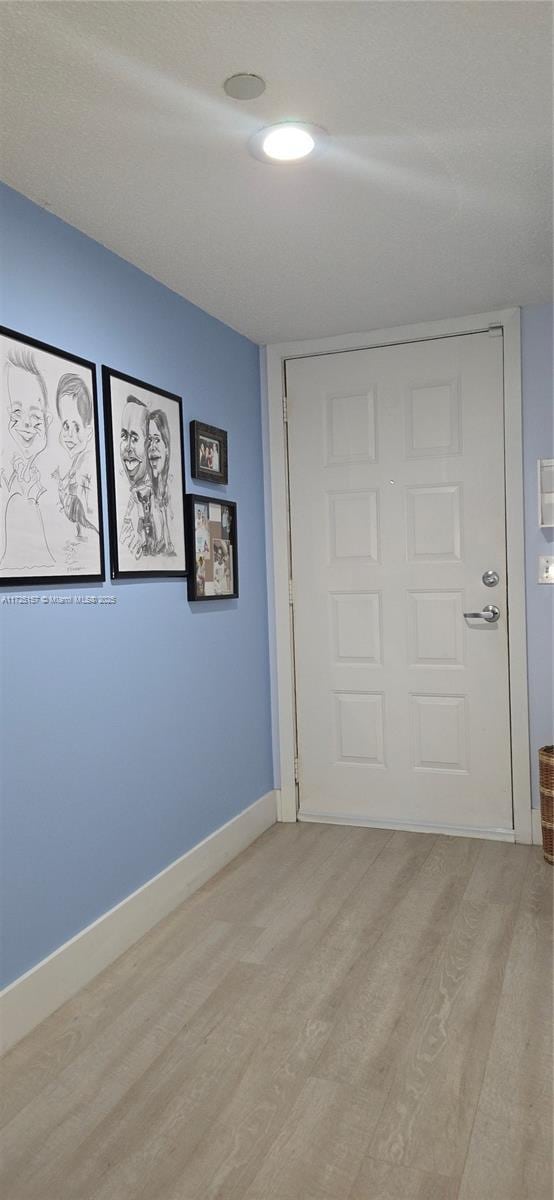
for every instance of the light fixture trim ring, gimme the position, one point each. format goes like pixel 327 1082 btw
pixel 316 132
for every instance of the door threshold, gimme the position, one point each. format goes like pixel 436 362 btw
pixel 470 831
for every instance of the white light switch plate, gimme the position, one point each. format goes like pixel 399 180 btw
pixel 546 568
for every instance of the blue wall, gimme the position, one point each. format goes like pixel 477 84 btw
pixel 130 732
pixel 538 442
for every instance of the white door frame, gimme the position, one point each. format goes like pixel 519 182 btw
pixel 277 526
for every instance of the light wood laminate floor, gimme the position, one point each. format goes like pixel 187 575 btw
pixel 340 1014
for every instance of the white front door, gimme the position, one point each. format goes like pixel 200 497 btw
pixel 396 459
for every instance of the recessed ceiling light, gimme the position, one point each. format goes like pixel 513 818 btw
pixel 289 142
pixel 244 86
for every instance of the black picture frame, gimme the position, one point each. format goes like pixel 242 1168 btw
pixel 200 588
pixel 67 501
pixel 200 434
pixel 122 557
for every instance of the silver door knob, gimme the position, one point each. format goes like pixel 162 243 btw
pixel 491 578
pixel 490 613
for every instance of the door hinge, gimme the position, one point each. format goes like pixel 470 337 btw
pixel 296 771
pixel 495 330
pixel 285 410
pixel 291 597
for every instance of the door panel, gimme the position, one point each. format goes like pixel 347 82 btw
pixel 396 460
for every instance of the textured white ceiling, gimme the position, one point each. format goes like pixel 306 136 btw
pixel 433 199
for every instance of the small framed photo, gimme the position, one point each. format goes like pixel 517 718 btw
pixel 50 498
pixel 146 478
pixel 212 548
pixel 208 452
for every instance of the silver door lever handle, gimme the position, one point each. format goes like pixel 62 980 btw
pixel 490 613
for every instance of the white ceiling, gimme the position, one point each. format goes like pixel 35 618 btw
pixel 433 199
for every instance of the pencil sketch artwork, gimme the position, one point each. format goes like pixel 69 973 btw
pixel 49 486
pixel 148 479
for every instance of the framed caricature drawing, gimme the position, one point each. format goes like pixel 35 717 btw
pixel 146 478
pixel 212 534
pixel 50 498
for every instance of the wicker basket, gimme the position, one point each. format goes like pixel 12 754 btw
pixel 546 780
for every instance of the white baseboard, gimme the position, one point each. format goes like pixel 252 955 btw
pixel 497 835
pixel 536 828
pixel 32 997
